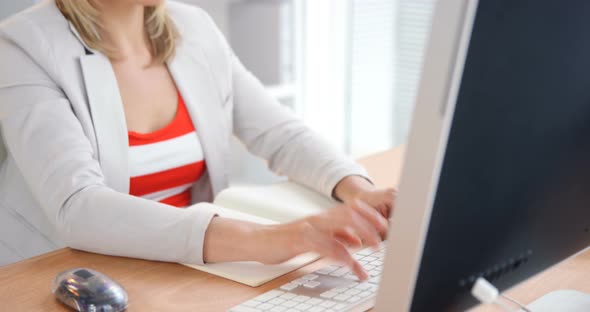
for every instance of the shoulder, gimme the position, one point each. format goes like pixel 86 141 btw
pixel 38 24
pixel 189 18
pixel 195 25
pixel 199 34
pixel 39 34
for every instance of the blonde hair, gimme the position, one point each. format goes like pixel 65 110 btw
pixel 161 32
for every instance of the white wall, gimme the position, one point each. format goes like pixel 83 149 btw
pixel 9 7
pixel 218 9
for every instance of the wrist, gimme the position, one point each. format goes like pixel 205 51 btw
pixel 278 243
pixel 350 187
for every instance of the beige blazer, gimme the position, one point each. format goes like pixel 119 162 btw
pixel 65 177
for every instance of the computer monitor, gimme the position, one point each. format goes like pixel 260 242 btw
pixel 496 180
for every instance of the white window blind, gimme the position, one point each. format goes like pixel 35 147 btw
pixel 413 28
pixel 387 44
pixel 372 50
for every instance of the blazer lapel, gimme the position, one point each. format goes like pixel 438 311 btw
pixel 108 118
pixel 192 76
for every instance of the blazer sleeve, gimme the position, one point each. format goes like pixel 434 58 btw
pixel 273 132
pixel 46 140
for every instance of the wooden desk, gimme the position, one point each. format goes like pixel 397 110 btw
pixel 159 286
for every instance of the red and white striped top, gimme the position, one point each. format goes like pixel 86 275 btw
pixel 166 163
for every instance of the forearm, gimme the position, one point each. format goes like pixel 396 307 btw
pixel 101 220
pixel 234 240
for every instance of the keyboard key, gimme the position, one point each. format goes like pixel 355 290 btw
pixel 365 252
pixel 328 294
pixel 289 286
pixel 340 272
pixel 310 277
pixel 354 299
pixel 311 284
pixel 340 289
pixel 290 304
pixel 377 263
pixel 327 270
pixel 303 307
pixel 370 258
pixel 251 303
pixel 242 308
pixel 314 301
pixel 351 276
pixel 374 272
pixel 265 306
pixel 366 294
pixel 363 262
pixel 299 281
pixel 364 286
pixel 278 309
pixel 340 306
pixel 269 295
pixel 352 292
pixel 358 256
pixel 328 304
pixel 317 309
pixel 374 289
pixel 292 310
pixel 301 298
pixel 368 267
pixel 375 280
pixel 277 301
pixel 288 296
pixel 342 297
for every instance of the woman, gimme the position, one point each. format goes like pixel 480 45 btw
pixel 115 111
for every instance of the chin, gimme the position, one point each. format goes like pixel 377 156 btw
pixel 149 2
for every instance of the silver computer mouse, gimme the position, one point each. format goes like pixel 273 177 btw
pixel 88 290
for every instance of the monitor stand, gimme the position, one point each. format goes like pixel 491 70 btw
pixel 561 300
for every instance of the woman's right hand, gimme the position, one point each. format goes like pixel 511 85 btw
pixel 328 234
pixel 349 225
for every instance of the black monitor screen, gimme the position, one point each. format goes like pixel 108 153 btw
pixel 514 191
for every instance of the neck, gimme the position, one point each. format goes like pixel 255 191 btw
pixel 123 28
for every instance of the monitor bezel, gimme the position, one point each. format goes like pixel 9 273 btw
pixel 433 114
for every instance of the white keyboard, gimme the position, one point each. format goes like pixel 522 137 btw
pixel 329 289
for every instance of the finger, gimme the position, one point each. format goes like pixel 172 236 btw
pixel 340 252
pixel 359 271
pixel 326 245
pixel 372 216
pixel 365 230
pixel 348 237
pixel 384 210
pixel 335 250
pixel 389 200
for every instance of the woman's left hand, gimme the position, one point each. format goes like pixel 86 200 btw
pixel 353 188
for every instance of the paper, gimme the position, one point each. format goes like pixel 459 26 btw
pixel 281 202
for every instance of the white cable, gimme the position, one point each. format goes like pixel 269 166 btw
pixel 522 306
pixel 487 293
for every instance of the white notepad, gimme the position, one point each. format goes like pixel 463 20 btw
pixel 277 203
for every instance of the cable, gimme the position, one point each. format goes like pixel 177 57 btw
pixel 487 293
pixel 520 305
